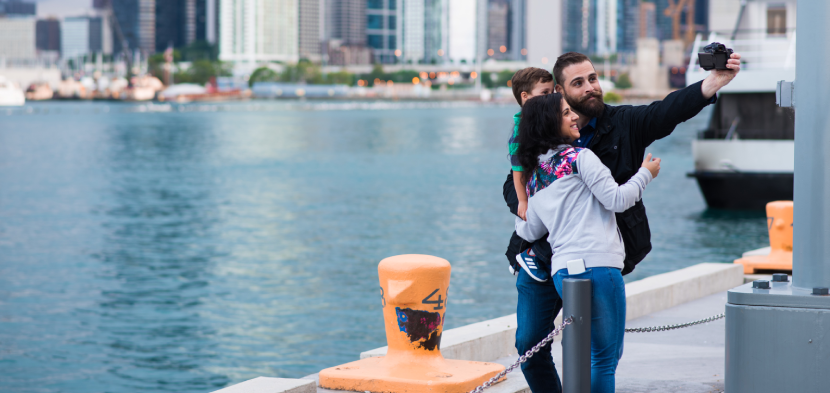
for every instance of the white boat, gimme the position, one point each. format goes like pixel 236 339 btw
pixel 745 157
pixel 11 94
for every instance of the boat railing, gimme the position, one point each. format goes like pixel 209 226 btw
pixel 759 51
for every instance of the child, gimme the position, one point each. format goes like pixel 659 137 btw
pixel 573 198
pixel 526 83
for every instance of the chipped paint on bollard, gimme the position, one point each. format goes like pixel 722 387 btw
pixel 413 294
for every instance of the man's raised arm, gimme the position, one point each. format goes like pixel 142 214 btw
pixel 658 120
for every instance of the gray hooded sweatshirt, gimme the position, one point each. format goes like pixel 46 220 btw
pixel 573 198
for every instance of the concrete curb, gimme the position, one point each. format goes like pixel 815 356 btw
pixel 272 385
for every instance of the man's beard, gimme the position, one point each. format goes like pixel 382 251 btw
pixel 587 107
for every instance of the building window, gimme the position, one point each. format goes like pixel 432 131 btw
pixel 393 4
pixel 374 4
pixel 393 22
pixel 374 21
pixel 777 20
pixel 375 41
pixel 393 42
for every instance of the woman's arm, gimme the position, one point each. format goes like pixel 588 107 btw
pixel 533 229
pixel 616 198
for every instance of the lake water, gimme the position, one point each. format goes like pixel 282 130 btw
pixel 186 248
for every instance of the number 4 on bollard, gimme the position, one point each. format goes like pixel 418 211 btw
pixel 439 302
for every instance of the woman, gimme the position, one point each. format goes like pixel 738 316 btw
pixel 573 198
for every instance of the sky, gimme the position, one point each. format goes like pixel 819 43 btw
pixel 62 8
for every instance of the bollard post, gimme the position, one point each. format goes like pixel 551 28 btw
pixel 413 296
pixel 576 339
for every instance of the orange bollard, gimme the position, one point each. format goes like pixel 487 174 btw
pixel 413 292
pixel 780 225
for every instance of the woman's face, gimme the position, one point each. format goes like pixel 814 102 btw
pixel 569 128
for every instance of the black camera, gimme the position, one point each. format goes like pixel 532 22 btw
pixel 714 56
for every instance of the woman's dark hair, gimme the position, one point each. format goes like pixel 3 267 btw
pixel 539 131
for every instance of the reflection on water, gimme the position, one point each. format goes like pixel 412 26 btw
pixel 187 247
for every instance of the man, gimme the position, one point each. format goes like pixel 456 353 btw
pixel 618 135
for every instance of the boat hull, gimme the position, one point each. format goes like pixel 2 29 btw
pixel 743 190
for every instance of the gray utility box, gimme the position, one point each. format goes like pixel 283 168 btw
pixel 777 340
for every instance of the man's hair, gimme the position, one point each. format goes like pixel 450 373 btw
pixel 524 80
pixel 564 61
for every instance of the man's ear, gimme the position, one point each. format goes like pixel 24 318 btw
pixel 557 88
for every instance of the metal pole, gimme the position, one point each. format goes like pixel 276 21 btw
pixel 811 210
pixel 576 339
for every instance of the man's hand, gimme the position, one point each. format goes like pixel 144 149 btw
pixel 717 79
pixel 522 211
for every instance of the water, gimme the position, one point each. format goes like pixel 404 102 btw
pixel 186 248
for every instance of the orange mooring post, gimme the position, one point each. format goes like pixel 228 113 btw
pixel 413 292
pixel 780 224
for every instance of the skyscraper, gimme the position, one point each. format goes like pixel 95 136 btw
pixel 309 29
pixel 498 29
pixel 628 25
pixel 381 29
pixel 17 7
pixel 258 30
pixel 48 35
pixel 435 31
pixel 413 30
pixel 579 26
pixel 83 35
pixel 346 21
pixel 137 20
pixel 518 29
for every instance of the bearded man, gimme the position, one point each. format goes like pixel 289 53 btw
pixel 619 136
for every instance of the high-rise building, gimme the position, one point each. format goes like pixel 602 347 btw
pixel 628 25
pixel 75 37
pixel 48 35
pixel 310 43
pixel 606 26
pixel 17 39
pixel 435 31
pixel 17 7
pixel 82 35
pixel 137 21
pixel 412 38
pixel 579 26
pixel 258 30
pixel 517 29
pixel 498 29
pixel 177 23
pixel 346 21
pixel 382 29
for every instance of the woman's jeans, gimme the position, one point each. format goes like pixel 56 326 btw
pixel 607 322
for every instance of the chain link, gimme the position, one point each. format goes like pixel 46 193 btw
pixel 527 355
pixel 671 327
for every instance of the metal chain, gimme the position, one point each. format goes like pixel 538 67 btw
pixel 567 322
pixel 671 327
pixel 527 355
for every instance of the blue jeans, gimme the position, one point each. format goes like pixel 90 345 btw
pixel 607 322
pixel 539 303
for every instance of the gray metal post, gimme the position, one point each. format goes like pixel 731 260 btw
pixel 576 339
pixel 811 210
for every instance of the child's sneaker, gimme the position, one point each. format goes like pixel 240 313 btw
pixel 528 261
